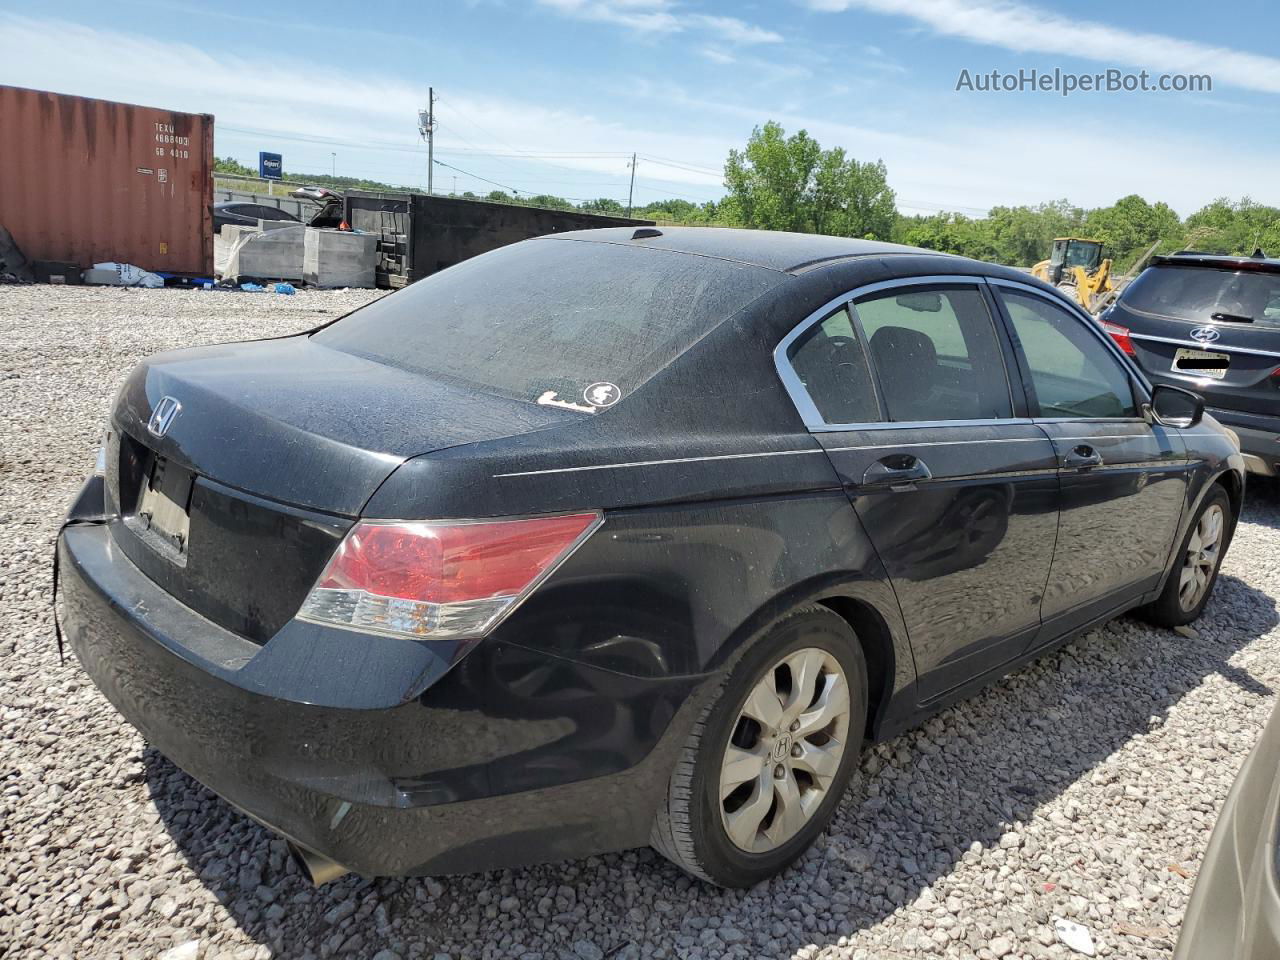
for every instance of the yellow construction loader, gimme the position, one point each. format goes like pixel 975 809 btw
pixel 1077 266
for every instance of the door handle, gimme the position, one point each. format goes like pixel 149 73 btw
pixel 899 469
pixel 1082 457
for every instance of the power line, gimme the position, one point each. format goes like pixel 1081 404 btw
pixel 507 186
pixel 504 186
pixel 682 196
pixel 682 166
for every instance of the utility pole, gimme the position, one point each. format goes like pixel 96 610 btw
pixel 334 156
pixel 631 191
pixel 427 130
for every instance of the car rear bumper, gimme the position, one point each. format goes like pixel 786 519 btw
pixel 1259 437
pixel 512 757
pixel 1235 907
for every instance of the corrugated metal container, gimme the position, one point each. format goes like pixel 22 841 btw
pixel 92 180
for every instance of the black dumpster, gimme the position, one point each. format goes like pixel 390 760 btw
pixel 420 234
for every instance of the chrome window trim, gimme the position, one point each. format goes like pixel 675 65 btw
pixel 936 443
pixel 805 406
pixel 916 424
pixel 1196 345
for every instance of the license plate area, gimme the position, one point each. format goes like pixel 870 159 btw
pixel 161 519
pixel 1201 363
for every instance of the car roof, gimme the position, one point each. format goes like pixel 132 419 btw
pixel 773 249
pixel 1191 258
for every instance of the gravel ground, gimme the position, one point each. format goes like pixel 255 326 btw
pixel 1082 787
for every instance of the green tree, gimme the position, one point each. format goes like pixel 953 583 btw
pixel 604 205
pixel 1021 236
pixel 790 183
pixel 233 166
pixel 1131 225
pixel 1237 227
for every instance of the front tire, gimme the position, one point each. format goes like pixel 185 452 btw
pixel 1196 564
pixel 767 762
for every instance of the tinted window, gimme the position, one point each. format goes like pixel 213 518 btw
pixel 936 355
pixel 1073 374
pixel 552 316
pixel 829 360
pixel 1203 295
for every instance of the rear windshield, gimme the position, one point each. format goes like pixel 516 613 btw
pixel 1205 295
pixel 551 321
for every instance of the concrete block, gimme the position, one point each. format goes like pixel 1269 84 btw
pixel 269 255
pixel 339 258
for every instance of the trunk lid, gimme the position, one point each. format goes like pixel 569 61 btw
pixel 271 452
pixel 297 422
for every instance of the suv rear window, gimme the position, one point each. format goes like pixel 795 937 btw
pixel 552 315
pixel 1206 294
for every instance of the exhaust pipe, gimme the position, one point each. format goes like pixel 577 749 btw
pixel 316 867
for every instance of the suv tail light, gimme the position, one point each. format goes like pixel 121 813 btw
pixel 1121 336
pixel 440 580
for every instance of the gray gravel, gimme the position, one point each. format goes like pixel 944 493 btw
pixel 1083 788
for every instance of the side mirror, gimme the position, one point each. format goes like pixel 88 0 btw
pixel 1175 407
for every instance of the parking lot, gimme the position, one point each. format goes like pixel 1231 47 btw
pixel 1083 786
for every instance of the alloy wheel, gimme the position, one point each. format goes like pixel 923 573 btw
pixel 1204 550
pixel 784 751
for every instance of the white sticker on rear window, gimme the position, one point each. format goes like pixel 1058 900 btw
pixel 549 398
pixel 602 394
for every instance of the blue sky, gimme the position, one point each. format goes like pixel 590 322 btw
pixel 554 95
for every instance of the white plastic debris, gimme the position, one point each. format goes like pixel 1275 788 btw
pixel 1075 936
pixel 131 276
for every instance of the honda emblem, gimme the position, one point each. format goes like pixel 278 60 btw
pixel 162 416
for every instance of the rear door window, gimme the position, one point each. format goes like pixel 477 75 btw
pixel 553 321
pixel 831 365
pixel 1072 372
pixel 935 354
pixel 1207 295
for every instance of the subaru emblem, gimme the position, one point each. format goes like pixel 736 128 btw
pixel 162 416
pixel 1205 334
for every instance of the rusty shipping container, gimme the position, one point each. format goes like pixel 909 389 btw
pixel 87 181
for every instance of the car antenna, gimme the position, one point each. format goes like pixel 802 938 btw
pixel 1258 254
pixel 644 233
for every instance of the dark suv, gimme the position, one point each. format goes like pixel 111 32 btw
pixel 1212 323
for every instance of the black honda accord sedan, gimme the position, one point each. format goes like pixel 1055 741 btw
pixel 622 537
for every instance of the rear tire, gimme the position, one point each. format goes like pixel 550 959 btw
pixel 1195 566
pixel 787 771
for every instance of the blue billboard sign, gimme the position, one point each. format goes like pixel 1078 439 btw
pixel 270 166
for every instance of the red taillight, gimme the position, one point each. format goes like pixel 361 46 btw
pixel 1121 336
pixel 439 580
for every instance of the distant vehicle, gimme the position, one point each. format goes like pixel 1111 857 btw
pixel 622 536
pixel 1077 266
pixel 1211 323
pixel 247 214
pixel 1235 906
pixel 329 212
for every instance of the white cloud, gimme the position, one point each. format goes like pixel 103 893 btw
pixel 733 30
pixel 309 110
pixel 369 118
pixel 1026 28
pixel 662 16
pixel 967 167
pixel 716 55
pixel 643 15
